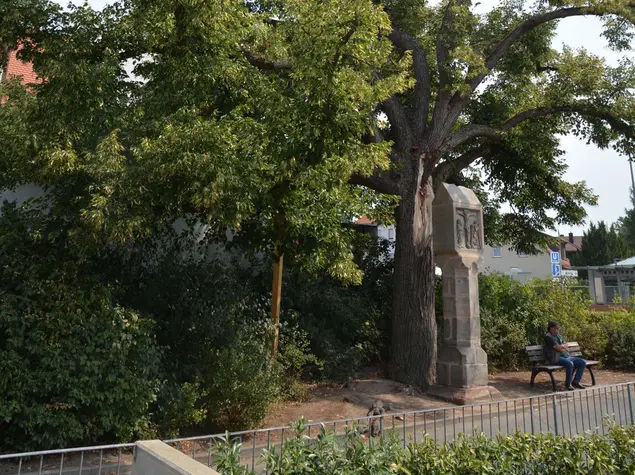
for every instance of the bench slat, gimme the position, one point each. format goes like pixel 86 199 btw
pixel 536 353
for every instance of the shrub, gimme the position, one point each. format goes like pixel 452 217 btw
pixel 514 315
pixel 519 454
pixel 243 383
pixel 212 322
pixel 507 318
pixel 619 327
pixel 75 367
pixel 347 326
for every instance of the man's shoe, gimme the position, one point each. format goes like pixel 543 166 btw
pixel 579 386
pixel 569 388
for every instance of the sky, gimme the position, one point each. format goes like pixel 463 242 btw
pixel 605 171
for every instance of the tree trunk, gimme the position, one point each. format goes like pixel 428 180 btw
pixel 414 329
pixel 276 298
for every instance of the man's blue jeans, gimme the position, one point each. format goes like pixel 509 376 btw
pixel 569 364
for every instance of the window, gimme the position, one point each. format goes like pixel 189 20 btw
pixel 391 234
pixel 496 252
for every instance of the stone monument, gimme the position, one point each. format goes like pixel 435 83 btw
pixel 457 216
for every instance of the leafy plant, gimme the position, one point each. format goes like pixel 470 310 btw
pixel 75 367
pixel 517 454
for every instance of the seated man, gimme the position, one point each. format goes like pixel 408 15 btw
pixel 557 352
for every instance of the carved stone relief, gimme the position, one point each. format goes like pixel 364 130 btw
pixel 468 229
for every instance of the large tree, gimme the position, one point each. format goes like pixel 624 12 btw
pixel 152 111
pixel 491 89
pixel 277 118
pixel 602 245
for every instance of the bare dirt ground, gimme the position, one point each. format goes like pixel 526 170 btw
pixel 336 402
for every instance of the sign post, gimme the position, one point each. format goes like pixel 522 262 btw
pixel 556 269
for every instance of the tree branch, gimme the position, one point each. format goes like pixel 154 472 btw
pixel 405 42
pixel 264 64
pixel 468 132
pixel 399 123
pixel 446 169
pixel 471 131
pixel 501 48
pixel 381 184
pixel 443 95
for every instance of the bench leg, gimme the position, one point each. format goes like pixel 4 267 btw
pixel 553 381
pixel 534 373
pixel 590 368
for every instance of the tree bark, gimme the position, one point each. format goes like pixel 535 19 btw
pixel 414 329
pixel 276 298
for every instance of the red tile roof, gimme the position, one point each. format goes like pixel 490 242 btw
pixel 364 221
pixel 17 68
pixel 575 246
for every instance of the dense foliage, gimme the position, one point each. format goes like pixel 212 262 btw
pixel 520 454
pixel 514 315
pixel 75 366
pixel 602 245
pixel 281 119
pixel 160 340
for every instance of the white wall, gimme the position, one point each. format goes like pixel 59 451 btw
pixel 389 233
pixel 517 266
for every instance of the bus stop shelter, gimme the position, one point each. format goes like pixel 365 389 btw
pixel 620 274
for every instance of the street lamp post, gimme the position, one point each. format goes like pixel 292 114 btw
pixel 632 181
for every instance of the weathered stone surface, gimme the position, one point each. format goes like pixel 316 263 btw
pixel 474 395
pixel 458 242
pixel 457 217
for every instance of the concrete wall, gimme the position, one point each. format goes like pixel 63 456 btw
pixel 516 266
pixel 153 457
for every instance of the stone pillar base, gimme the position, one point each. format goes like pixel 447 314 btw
pixel 465 396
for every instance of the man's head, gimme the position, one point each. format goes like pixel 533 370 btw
pixel 553 327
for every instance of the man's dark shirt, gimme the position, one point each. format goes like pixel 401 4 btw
pixel 553 340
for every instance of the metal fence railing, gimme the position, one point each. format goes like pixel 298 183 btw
pixel 563 413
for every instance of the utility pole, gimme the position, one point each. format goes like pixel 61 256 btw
pixel 632 182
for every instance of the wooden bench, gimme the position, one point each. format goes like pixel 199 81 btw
pixel 536 356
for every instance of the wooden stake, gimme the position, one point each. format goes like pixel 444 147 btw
pixel 276 297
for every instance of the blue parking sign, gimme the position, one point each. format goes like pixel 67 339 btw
pixel 555 270
pixel 555 258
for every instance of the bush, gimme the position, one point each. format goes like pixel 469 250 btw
pixel 212 324
pixel 619 327
pixel 347 326
pixel 75 367
pixel 517 454
pixel 242 385
pixel 514 315
pixel 507 319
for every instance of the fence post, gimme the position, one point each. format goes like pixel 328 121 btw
pixel 555 414
pixel 531 413
pixel 630 403
pixel 381 427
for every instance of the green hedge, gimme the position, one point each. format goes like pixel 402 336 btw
pixel 518 454
pixel 514 315
pixel 75 367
